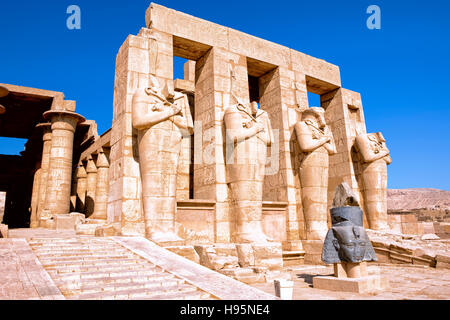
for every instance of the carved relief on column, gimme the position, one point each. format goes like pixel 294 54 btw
pixel 101 193
pixel 316 143
pixel 34 222
pixel 64 123
pixel 91 170
pixel 45 164
pixel 375 157
pixel 81 187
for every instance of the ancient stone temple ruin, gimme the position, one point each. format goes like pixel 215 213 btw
pixel 231 154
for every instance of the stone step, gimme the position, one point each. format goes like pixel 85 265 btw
pixel 101 274
pixel 198 295
pixel 74 246
pixel 51 264
pixel 125 254
pixel 154 285
pixel 136 293
pixel 99 281
pixel 103 268
pixel 81 259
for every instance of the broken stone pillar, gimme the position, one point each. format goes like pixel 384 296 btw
pixel 91 187
pixel 81 187
pixel 64 123
pixel 101 193
pixel 45 164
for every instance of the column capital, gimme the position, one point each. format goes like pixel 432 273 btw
pixel 46 130
pixel 64 120
pixel 81 171
pixel 3 93
pixel 102 160
pixel 91 167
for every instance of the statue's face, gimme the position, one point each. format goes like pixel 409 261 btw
pixel 352 243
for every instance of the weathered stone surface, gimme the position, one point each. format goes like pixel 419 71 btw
pixel 430 236
pixel 64 222
pixel 187 252
pixel 345 196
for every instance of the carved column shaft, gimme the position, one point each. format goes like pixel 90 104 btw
pixel 34 223
pixel 81 188
pixel 45 164
pixel 91 187
pixel 101 193
pixel 57 200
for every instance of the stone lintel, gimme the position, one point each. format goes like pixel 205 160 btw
pixel 194 36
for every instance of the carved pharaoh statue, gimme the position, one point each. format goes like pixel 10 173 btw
pixel 316 143
pixel 161 121
pixel 347 241
pixel 248 133
pixel 375 157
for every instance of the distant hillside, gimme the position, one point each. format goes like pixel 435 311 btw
pixel 413 199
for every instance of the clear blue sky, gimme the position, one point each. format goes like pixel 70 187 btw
pixel 402 70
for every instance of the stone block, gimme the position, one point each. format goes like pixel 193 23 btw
pixel 245 255
pixel 106 231
pixel 313 251
pixel 79 217
pixel 86 229
pixel 382 254
pixel 64 222
pixel 442 262
pixel 3 231
pixel 187 252
pixel 268 255
pixel 356 285
pixel 245 275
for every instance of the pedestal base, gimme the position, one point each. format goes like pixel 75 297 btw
pixel 357 285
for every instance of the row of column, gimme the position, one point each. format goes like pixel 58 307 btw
pixel 52 186
pixel 92 185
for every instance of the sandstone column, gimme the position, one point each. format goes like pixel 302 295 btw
pixel 101 193
pixel 81 188
pixel 64 123
pixel 34 222
pixel 91 188
pixel 45 163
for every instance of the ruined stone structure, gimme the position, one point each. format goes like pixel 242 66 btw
pixel 134 179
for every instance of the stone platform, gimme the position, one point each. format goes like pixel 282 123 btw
pixel 366 284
